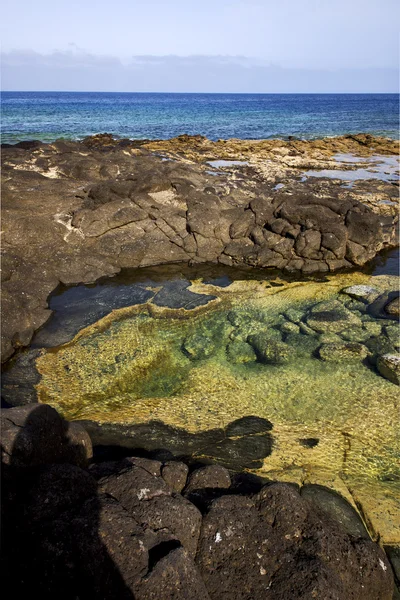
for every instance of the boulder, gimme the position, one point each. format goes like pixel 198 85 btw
pixel 175 475
pixel 269 350
pixel 364 293
pixel 279 545
pixel 389 367
pixel 331 316
pixel 346 352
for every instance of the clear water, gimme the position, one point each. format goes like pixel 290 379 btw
pixel 51 115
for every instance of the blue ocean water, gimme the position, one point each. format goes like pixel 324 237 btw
pixel 50 115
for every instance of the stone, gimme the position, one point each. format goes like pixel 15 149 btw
pixel 389 367
pixel 331 316
pixel 364 293
pixel 268 350
pixel 36 435
pixel 172 576
pixel 336 507
pixel 112 204
pixel 213 476
pixel 240 352
pixel 304 345
pixel 289 327
pixel 378 346
pixel 346 352
pixel 273 544
pixel 150 501
pixel 294 315
pixel 393 334
pixel 393 307
pixel 199 345
pixel 356 334
pixel 175 475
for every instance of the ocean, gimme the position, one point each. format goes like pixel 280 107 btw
pixel 47 116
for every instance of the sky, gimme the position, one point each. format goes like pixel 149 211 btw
pixel 207 45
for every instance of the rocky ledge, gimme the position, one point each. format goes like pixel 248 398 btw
pixel 77 211
pixel 144 528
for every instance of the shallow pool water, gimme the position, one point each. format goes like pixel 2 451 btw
pixel 182 364
pixel 383 168
pixel 227 163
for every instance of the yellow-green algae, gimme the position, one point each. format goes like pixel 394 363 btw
pixel 132 367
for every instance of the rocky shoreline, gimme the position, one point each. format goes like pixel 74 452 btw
pixel 148 528
pixel 156 523
pixel 77 211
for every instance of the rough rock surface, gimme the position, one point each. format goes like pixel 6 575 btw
pixel 118 530
pixel 389 366
pixel 74 212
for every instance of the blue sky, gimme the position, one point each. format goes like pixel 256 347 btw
pixel 219 45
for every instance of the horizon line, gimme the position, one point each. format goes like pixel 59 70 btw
pixel 198 93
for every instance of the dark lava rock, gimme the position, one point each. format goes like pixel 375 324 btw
pixel 277 545
pixel 175 475
pixel 213 476
pixel 36 434
pixel 111 204
pixel 129 535
pixel 150 501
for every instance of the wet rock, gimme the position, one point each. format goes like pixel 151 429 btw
pixel 372 327
pixel 289 327
pixel 199 345
pixel 378 346
pixel 389 366
pixel 364 293
pixel 393 334
pixel 356 334
pixel 337 508
pixel 268 350
pixel 305 345
pixel 356 306
pixel 239 352
pixel 175 475
pixel 392 308
pixel 342 352
pixel 378 308
pixel 294 315
pixel 329 338
pixel 332 317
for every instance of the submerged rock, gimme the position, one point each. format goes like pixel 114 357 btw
pixel 269 350
pixel 199 345
pixel 342 352
pixel 392 308
pixel 239 351
pixel 332 317
pixel 389 366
